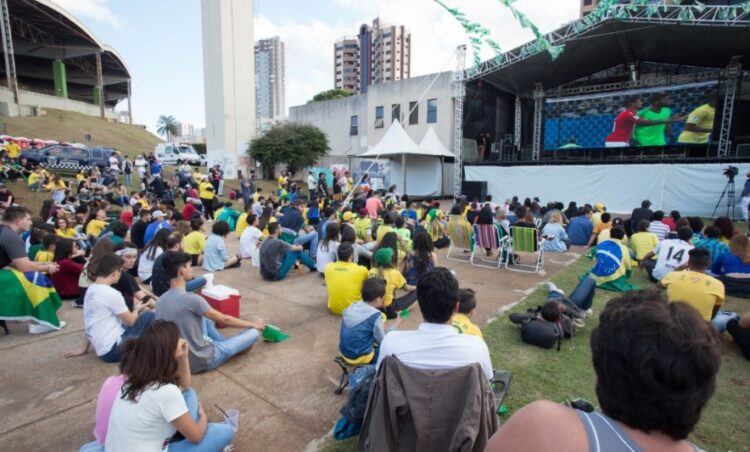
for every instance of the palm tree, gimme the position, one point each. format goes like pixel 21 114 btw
pixel 166 125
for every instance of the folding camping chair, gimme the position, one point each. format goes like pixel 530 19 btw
pixel 524 240
pixel 488 237
pixel 461 234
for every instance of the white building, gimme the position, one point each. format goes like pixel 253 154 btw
pixel 269 79
pixel 357 122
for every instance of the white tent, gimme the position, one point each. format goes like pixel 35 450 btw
pixel 420 166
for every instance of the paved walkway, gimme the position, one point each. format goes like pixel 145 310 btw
pixel 284 391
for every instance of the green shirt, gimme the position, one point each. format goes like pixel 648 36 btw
pixel 652 135
pixel 33 249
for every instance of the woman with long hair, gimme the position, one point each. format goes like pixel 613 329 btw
pixel 556 239
pixel 390 240
pixel 153 249
pixel 215 257
pixel 69 259
pixel 328 247
pixel 737 260
pixel 156 399
pixel 361 253
pixel 726 227
pixel 421 260
pixel 266 218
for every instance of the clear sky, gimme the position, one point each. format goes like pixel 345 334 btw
pixel 160 40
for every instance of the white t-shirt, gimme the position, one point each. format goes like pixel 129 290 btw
pixel 670 254
pixel 660 229
pixel 114 163
pixel 101 306
pixel 145 425
pixel 249 241
pixel 325 257
pixel 146 265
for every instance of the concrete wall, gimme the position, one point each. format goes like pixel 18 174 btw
pixel 333 117
pixel 31 102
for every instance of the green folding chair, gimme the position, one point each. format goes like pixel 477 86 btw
pixel 526 241
pixel 461 234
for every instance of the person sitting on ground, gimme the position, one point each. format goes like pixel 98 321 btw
pixel 344 280
pixel 436 226
pixel 157 400
pixel 421 260
pixel 635 328
pixel 138 230
pixel 612 264
pixel 726 226
pixel 95 224
pixel 65 280
pixel 292 224
pixel 599 210
pixel 107 321
pixel 671 254
pixel 735 262
pixel 160 281
pixel 251 238
pixel 196 319
pixel 215 258
pixel 148 256
pixel 436 344
pixel 278 257
pixel 712 243
pixel 385 263
pixel 327 247
pixel 159 222
pixel 671 220
pixel 47 253
pixel 694 287
pixel 230 215
pixel 605 222
pixel 363 325
pixel 739 328
pixel 127 285
pixel 195 242
pixel 657 226
pixel 580 228
pixel 467 304
pixel 403 232
pixel 555 237
pixel 643 241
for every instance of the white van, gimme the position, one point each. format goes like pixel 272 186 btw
pixel 176 154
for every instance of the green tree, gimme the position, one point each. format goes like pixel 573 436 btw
pixel 295 145
pixel 167 126
pixel 330 94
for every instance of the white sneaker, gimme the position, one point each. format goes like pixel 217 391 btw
pixel 551 287
pixel 588 313
pixel 38 328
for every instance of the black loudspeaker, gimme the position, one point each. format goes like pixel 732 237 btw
pixel 474 190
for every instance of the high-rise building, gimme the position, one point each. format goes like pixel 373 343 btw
pixel 269 79
pixel 185 130
pixel 379 53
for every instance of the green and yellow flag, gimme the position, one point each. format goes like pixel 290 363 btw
pixel 28 296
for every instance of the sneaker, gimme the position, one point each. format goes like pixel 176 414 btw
pixel 588 313
pixel 76 305
pixel 551 287
pixel 38 328
pixel 579 322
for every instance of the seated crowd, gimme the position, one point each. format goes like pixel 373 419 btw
pixel 127 259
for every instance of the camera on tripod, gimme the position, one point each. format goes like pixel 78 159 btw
pixel 731 171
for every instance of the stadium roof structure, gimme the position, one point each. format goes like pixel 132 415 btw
pixel 706 36
pixel 43 32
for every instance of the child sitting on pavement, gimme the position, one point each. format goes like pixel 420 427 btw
pixel 362 326
pixel 467 304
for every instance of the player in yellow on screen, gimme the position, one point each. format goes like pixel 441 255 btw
pixel 700 123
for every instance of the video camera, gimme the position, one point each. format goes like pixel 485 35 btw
pixel 731 171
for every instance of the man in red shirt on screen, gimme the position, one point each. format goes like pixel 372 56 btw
pixel 626 121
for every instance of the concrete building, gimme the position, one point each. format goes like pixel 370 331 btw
pixel 269 79
pixel 228 78
pixel 357 122
pixel 379 53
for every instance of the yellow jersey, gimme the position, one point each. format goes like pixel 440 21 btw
pixel 464 325
pixel 206 190
pixel 699 290
pixel 194 243
pixel 702 117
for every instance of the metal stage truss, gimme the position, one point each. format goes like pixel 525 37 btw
pixel 459 90
pixel 733 73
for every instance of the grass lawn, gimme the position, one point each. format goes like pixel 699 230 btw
pixel 568 374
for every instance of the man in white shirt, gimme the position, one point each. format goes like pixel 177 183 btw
pixel 250 237
pixel 312 183
pixel 108 322
pixel 436 344
pixel 670 255
pixel 657 227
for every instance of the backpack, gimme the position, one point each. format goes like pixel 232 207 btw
pixel 542 333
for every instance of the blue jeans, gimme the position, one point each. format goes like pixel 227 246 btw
pixel 311 238
pixel 582 296
pixel 218 435
pixel 721 319
pixel 292 257
pixel 128 179
pixel 195 284
pixel 143 321
pixel 226 347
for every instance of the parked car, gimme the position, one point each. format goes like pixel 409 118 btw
pixel 204 159
pixel 176 154
pixel 69 156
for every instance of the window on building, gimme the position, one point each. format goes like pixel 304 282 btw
pixel 354 125
pixel 587 2
pixel 396 112
pixel 431 111
pixel 413 113
pixel 379 117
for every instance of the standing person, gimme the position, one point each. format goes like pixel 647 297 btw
pixel 196 318
pixel 625 122
pixel 207 193
pixel 127 171
pixel 157 400
pixel 659 134
pixel 217 179
pixel 140 166
pixel 155 168
pixel 322 185
pixel 700 123
pixel 245 189
pixel 745 198
pixel 312 183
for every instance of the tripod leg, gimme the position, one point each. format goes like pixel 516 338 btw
pixel 718 203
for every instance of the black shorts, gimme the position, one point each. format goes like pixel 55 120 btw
pixel 194 259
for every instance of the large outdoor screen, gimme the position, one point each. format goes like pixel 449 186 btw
pixel 680 114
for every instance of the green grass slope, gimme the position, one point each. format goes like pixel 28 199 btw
pixel 68 126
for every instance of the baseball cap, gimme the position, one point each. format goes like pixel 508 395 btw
pixel 348 216
pixel 157 214
pixel 383 256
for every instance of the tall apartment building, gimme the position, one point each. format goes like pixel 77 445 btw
pixel 269 79
pixel 379 53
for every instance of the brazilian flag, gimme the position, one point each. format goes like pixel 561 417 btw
pixel 28 296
